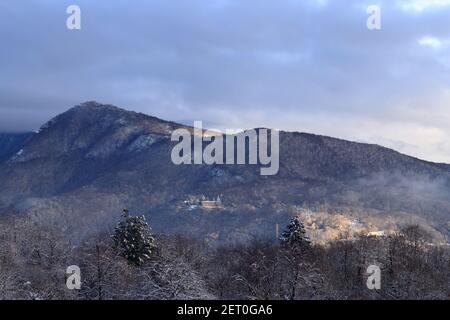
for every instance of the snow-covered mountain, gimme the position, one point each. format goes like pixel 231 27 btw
pixel 88 163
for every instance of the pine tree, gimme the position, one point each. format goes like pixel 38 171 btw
pixel 294 236
pixel 295 245
pixel 133 239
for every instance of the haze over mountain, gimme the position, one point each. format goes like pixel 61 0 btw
pixel 88 163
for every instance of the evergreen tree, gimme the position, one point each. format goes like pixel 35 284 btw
pixel 133 239
pixel 294 236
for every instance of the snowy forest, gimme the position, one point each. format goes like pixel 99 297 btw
pixel 131 262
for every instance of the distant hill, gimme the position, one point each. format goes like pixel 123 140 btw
pixel 88 163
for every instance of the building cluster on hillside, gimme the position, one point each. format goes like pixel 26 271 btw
pixel 203 202
pixel 377 234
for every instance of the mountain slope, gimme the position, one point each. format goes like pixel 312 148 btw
pixel 88 163
pixel 11 143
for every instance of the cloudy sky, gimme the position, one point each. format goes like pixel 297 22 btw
pixel 300 65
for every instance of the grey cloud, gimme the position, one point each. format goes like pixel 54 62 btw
pixel 216 60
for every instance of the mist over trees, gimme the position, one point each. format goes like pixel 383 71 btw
pixel 34 259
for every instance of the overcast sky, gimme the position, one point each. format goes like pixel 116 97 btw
pixel 299 65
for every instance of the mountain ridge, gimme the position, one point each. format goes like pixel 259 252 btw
pixel 93 105
pixel 92 160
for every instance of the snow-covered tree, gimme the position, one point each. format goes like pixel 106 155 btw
pixel 295 236
pixel 134 240
pixel 298 270
pixel 170 279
